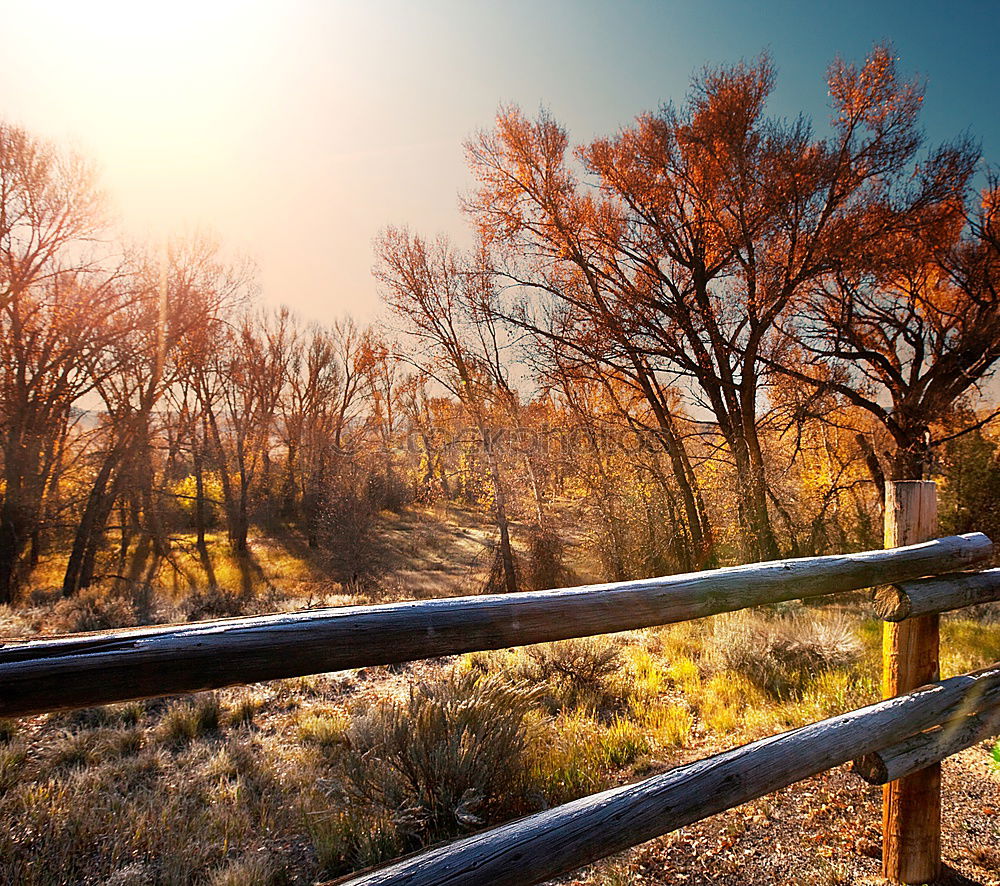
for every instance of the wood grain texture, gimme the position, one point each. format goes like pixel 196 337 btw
pixel 922 750
pixel 910 599
pixel 911 806
pixel 86 670
pixel 562 839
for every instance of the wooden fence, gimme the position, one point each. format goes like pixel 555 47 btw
pixel 894 740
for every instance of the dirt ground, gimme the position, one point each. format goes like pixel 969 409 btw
pixel 823 831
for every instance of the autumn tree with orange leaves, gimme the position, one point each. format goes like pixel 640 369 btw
pixel 910 327
pixel 708 226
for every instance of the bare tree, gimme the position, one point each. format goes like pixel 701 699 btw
pixel 54 306
pixel 163 302
pixel 445 297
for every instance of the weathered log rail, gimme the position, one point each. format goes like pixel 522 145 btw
pixel 926 748
pixel 559 840
pixel 87 670
pixel 896 736
pixel 926 596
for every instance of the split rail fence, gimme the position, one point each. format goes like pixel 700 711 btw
pixel 898 741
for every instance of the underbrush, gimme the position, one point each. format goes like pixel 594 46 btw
pixel 784 654
pixel 101 608
pixel 290 782
pixel 451 757
pixel 167 796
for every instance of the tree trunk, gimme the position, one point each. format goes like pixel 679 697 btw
pixel 694 507
pixel 500 509
pixel 759 542
pixel 11 547
pixel 912 457
pixel 90 520
pixel 289 486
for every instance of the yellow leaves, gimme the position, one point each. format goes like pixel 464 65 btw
pixel 186 491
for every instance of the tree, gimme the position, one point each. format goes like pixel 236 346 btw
pixel 55 304
pixel 446 299
pixel 249 372
pixel 320 414
pixel 710 221
pixel 909 328
pixel 162 303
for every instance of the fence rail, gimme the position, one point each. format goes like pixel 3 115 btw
pixel 542 846
pixel 83 671
pixel 892 738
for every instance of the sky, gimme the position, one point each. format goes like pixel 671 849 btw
pixel 295 130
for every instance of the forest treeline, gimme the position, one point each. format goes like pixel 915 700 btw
pixel 712 337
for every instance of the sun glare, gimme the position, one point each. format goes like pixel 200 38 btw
pixel 162 93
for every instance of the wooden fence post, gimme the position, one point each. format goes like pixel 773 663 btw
pixel 911 806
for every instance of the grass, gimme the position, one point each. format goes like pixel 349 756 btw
pixel 348 840
pixel 259 869
pixel 243 710
pixel 179 797
pixel 967 644
pixel 185 721
pixel 291 782
pixel 325 729
pixel 667 726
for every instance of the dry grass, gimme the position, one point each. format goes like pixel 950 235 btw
pixel 293 781
pixel 781 655
pixel 185 721
pixel 289 783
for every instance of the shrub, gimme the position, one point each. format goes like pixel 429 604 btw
pixel 495 581
pixel 46 596
pixel 389 491
pixel 449 757
pixel 345 519
pixel 213 602
pixel 93 609
pixel 579 669
pixel 584 672
pixel 544 563
pixel 780 655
